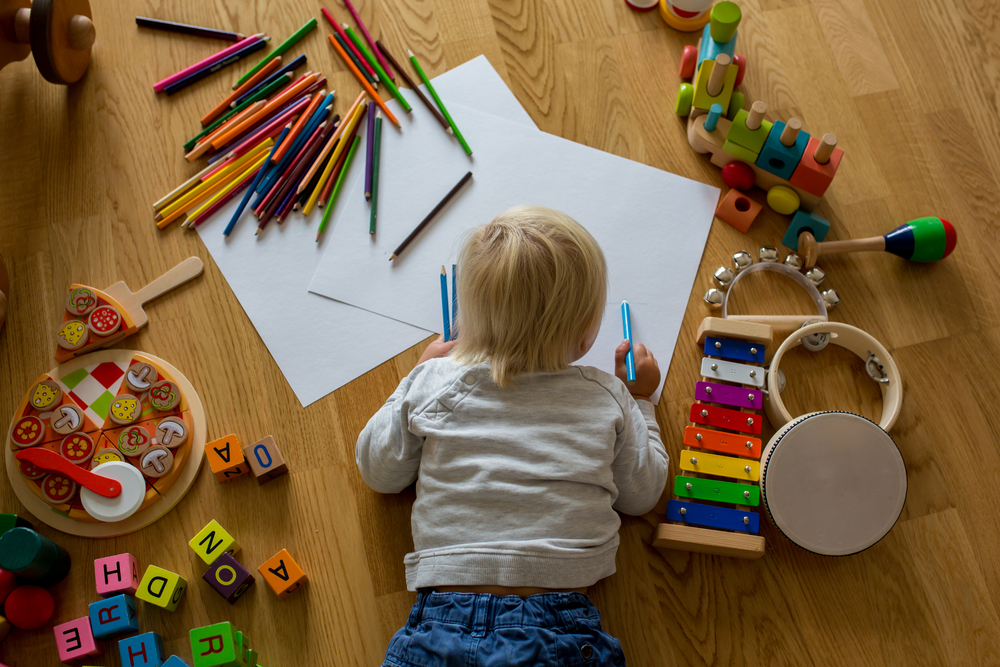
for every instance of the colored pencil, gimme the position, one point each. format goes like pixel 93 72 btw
pixel 363 81
pixel 206 144
pixel 369 150
pixel 318 116
pixel 366 68
pixel 346 128
pixel 336 188
pixel 274 74
pixel 375 157
pixel 332 178
pixel 232 179
pixel 180 189
pixel 224 118
pixel 296 168
pixel 311 192
pixel 260 174
pixel 194 77
pixel 364 30
pixel 160 85
pixel 437 100
pixel 270 129
pixel 345 133
pixel 627 330
pixel 301 123
pixel 415 88
pixel 272 106
pixel 430 216
pixel 226 104
pixel 264 90
pixel 225 199
pixel 325 150
pixel 454 297
pixel 284 46
pixel 444 304
pixel 185 29
pixel 197 196
pixel 378 68
pixel 214 179
pixel 352 53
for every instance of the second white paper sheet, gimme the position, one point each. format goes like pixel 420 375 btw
pixel 651 225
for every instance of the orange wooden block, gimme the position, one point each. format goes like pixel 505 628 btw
pixel 282 574
pixel 812 176
pixel 225 458
pixel 738 210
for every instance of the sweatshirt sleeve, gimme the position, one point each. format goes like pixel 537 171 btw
pixel 640 464
pixel 387 453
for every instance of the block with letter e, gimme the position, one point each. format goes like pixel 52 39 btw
pixel 265 460
pixel 113 616
pixel 225 458
pixel 75 641
pixel 145 650
pixel 212 541
pixel 161 587
pixel 213 645
pixel 282 574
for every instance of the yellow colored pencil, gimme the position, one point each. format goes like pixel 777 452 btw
pixel 328 146
pixel 230 184
pixel 181 189
pixel 341 147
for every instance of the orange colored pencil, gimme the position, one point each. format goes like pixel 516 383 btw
pixel 348 118
pixel 301 123
pixel 362 80
pixel 206 144
pixel 272 65
pixel 274 104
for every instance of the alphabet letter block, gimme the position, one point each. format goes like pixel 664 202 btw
pixel 212 541
pixel 145 650
pixel 265 460
pixel 282 574
pixel 75 641
pixel 779 159
pixel 161 587
pixel 229 579
pixel 812 176
pixel 116 575
pixel 113 616
pixel 213 645
pixel 174 661
pixel 225 457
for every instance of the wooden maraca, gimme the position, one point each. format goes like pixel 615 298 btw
pixel 921 240
pixel 60 33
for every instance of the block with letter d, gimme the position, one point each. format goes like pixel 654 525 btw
pixel 225 458
pixel 113 616
pixel 115 575
pixel 265 460
pixel 282 574
pixel 161 587
pixel 212 541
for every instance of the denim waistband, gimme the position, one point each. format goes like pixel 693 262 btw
pixel 482 612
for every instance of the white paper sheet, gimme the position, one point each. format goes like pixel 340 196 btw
pixel 652 225
pixel 320 344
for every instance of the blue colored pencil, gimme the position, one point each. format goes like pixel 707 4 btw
pixel 256 180
pixel 454 295
pixel 318 117
pixel 290 67
pixel 215 67
pixel 630 357
pixel 444 304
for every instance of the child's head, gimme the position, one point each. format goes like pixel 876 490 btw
pixel 532 286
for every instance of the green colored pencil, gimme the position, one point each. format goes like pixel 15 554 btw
pixel 284 46
pixel 373 61
pixel 430 88
pixel 277 84
pixel 376 150
pixel 336 187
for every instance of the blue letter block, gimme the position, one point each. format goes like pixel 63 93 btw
pixel 113 616
pixel 145 650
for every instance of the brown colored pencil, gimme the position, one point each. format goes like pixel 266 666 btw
pixel 430 216
pixel 413 86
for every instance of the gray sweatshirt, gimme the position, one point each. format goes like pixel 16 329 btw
pixel 516 486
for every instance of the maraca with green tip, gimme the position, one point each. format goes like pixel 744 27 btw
pixel 921 240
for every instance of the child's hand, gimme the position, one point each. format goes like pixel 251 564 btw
pixel 439 349
pixel 647 371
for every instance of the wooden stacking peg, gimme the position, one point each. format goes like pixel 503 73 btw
pixel 825 148
pixel 717 78
pixel 791 132
pixel 756 115
pixel 59 32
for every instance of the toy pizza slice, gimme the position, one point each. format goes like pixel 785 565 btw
pixel 95 318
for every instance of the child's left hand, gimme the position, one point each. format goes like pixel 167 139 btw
pixel 437 349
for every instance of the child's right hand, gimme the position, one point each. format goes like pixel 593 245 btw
pixel 438 349
pixel 647 371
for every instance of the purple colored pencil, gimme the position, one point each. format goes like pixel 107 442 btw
pixel 370 151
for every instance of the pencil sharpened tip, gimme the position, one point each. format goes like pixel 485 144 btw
pixel 392 257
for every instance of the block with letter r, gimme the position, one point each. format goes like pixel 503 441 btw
pixel 115 575
pixel 213 645
pixel 212 541
pixel 113 616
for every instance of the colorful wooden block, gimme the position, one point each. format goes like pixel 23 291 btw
pixel 738 210
pixel 213 645
pixel 713 517
pixel 31 555
pixel 745 131
pixel 725 18
pixel 776 157
pixel 265 460
pixel 225 458
pixel 245 656
pixel 145 650
pixel 212 541
pixel 804 222
pixel 161 587
pixel 716 490
pixel 739 152
pixel 739 175
pixel 282 574
pixel 710 48
pixel 113 616
pixel 29 607
pixel 812 176
pixel 116 574
pixel 734 420
pixel 783 199
pixel 734 350
pixel 702 99
pixel 720 441
pixel 718 326
pixel 75 641
pixel 229 579
pixel 720 466
pixel 175 661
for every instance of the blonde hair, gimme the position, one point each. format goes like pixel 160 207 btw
pixel 531 284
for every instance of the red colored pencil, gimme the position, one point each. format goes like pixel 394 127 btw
pixel 340 31
pixel 298 166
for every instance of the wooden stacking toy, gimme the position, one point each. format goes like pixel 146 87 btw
pixel 686 15
pixel 60 33
pixel 720 462
pixel 98 318
pixel 33 557
pixel 921 240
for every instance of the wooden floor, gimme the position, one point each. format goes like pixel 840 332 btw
pixel 909 87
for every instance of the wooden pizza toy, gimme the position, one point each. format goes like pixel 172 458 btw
pixel 720 462
pixel 60 33
pixel 106 444
pixel 98 318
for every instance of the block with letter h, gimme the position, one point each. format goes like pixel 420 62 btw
pixel 113 616
pixel 75 641
pixel 116 575
pixel 145 650
pixel 162 588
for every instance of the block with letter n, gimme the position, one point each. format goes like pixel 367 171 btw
pixel 212 541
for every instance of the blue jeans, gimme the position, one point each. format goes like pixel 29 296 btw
pixel 480 630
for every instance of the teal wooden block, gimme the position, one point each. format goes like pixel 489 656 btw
pixel 776 157
pixel 711 48
pixel 801 222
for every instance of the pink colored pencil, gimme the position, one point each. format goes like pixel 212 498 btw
pixel 160 85
pixel 368 37
pixel 340 31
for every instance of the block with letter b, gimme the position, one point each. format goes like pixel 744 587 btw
pixel 116 575
pixel 229 579
pixel 161 587
pixel 113 616
pixel 212 541
pixel 225 458
pixel 213 645
pixel 265 460
pixel 282 574
pixel 145 650
pixel 75 641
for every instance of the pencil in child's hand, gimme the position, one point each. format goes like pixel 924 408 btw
pixel 444 305
pixel 454 294
pixel 630 357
